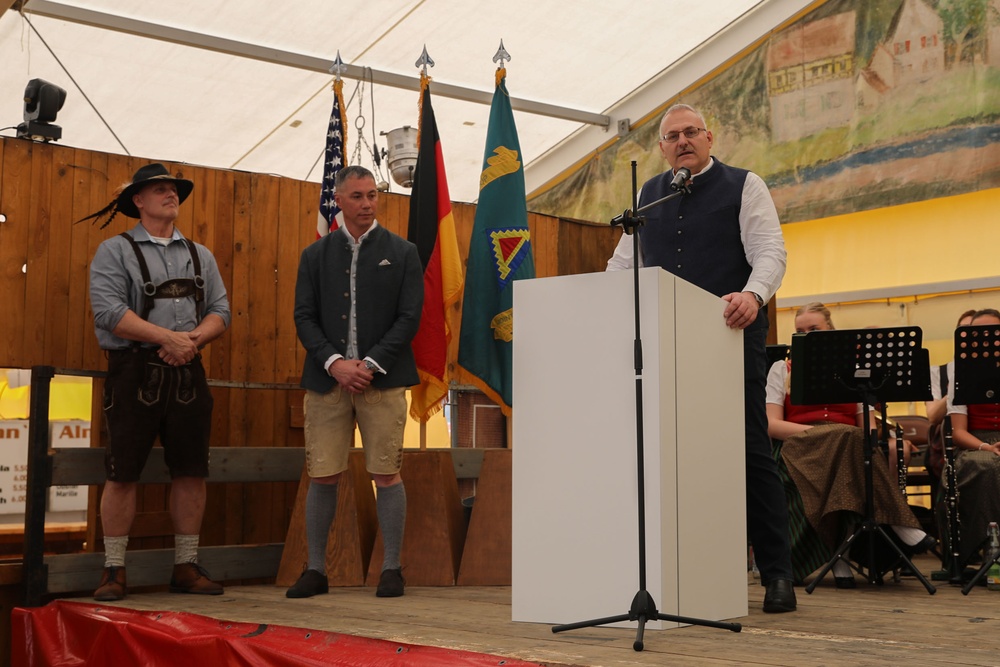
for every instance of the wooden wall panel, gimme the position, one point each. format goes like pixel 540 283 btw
pixel 544 244
pixel 256 226
pixel 221 242
pixel 34 328
pixel 60 220
pixel 289 247
pixel 99 195
pixel 261 318
pixel 15 203
pixel 79 326
pixel 585 248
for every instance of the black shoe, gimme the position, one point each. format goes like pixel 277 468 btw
pixel 312 582
pixel 845 582
pixel 780 597
pixel 390 584
pixel 924 545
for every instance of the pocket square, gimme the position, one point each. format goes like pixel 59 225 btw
pixel 384 262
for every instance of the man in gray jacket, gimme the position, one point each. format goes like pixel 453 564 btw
pixel 358 300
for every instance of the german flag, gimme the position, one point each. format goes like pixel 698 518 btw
pixel 432 229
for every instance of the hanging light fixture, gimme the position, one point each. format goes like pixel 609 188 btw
pixel 402 154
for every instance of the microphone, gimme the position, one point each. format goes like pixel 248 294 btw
pixel 621 217
pixel 681 179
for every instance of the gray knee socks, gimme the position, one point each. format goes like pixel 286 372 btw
pixel 391 508
pixel 321 508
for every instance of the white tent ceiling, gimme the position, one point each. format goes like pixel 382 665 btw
pixel 171 101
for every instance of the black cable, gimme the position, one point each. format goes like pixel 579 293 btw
pixel 376 158
pixel 371 98
pixel 92 106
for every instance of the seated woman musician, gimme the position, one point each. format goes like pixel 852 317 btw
pixel 821 460
pixel 976 437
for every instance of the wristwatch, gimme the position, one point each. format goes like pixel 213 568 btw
pixel 370 365
pixel 760 299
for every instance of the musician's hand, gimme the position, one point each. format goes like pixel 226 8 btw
pixel 993 447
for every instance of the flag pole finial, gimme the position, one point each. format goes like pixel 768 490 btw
pixel 501 55
pixel 338 67
pixel 423 61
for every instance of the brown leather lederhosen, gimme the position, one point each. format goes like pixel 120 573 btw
pixel 141 391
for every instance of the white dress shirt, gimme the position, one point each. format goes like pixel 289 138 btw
pixel 760 231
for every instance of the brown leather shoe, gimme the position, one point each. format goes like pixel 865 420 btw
pixel 112 586
pixel 192 578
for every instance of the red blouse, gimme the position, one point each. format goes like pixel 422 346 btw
pixel 841 413
pixel 984 417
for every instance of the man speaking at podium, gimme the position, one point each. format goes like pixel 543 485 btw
pixel 723 235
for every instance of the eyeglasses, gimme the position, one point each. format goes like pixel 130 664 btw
pixel 689 132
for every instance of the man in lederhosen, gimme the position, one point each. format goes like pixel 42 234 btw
pixel 157 299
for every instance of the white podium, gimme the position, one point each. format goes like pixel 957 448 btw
pixel 575 553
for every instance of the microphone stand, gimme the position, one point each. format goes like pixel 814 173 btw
pixel 643 607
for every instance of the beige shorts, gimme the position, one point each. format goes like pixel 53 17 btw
pixel 380 415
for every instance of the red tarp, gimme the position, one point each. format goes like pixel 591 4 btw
pixel 73 633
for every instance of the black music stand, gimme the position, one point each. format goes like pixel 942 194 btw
pixel 643 606
pixel 869 366
pixel 776 353
pixel 977 382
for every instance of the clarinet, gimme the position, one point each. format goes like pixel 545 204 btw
pixel 954 532
pixel 900 461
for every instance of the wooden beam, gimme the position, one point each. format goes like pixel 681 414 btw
pixel 80 465
pixel 153 567
pixel 152 30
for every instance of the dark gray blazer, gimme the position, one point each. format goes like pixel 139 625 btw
pixel 390 296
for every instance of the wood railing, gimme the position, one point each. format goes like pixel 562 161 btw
pixel 55 574
pixel 85 466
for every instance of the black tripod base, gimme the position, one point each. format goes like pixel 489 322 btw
pixel 644 610
pixel 874 576
pixel 987 564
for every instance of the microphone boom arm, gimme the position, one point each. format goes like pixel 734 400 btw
pixel 631 221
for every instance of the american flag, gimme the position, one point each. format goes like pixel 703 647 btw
pixel 329 217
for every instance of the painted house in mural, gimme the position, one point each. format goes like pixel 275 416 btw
pixel 915 37
pixel 993 34
pixel 876 79
pixel 810 77
pixel 912 52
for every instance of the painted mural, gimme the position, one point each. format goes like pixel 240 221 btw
pixel 858 105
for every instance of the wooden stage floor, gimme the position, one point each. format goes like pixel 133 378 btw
pixel 894 624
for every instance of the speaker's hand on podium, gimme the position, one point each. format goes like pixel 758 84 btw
pixel 741 311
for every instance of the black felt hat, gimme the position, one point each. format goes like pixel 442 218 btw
pixel 144 176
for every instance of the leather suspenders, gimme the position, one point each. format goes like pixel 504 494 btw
pixel 174 288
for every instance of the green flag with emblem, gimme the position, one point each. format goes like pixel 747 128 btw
pixel 499 254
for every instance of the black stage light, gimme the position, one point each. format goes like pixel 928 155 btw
pixel 42 101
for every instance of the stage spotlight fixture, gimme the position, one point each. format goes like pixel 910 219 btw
pixel 402 154
pixel 42 101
